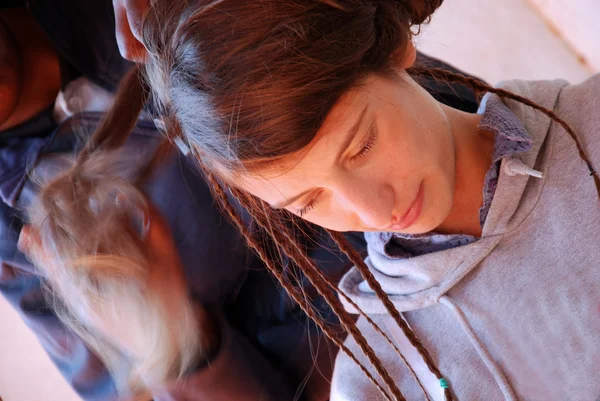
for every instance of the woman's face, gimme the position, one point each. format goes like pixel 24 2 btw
pixel 382 161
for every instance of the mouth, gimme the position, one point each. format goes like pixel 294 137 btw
pixel 411 215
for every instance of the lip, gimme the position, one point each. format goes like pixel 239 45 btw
pixel 412 214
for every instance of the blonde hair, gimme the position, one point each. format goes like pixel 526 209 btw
pixel 89 224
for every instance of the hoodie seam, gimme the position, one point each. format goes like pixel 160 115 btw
pixel 550 137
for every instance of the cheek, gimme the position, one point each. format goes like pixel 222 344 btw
pixel 329 218
pixel 438 199
pixel 422 152
pixel 403 157
pixel 438 163
pixel 410 147
pixel 430 145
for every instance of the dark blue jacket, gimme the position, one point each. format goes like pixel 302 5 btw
pixel 267 345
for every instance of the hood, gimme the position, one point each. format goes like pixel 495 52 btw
pixel 421 281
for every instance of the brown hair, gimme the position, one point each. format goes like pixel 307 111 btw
pixel 246 83
pixel 233 76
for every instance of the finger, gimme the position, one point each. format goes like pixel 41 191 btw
pixel 30 244
pixel 23 243
pixel 120 23
pixel 129 47
pixel 136 12
pixel 158 232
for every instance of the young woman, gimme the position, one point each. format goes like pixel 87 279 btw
pixel 314 109
pixel 480 226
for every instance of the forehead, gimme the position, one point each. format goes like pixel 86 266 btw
pixel 310 166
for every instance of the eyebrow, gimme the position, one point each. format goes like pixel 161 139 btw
pixel 349 137
pixel 352 132
pixel 287 202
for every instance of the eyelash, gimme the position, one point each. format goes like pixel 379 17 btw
pixel 308 207
pixel 367 146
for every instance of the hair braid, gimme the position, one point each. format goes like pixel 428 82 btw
pixel 293 252
pixel 261 216
pixel 360 264
pixel 117 125
pixel 290 241
pixel 285 240
pixel 291 290
pixel 481 87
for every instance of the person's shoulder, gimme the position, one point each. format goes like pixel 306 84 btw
pixel 579 105
pixel 587 91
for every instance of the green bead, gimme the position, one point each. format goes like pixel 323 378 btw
pixel 444 383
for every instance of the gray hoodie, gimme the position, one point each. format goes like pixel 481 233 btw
pixel 516 314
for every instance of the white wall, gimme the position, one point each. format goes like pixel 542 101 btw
pixel 26 373
pixel 576 21
pixel 505 40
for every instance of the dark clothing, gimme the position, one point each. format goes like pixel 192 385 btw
pixel 266 339
pixel 84 35
pixel 451 94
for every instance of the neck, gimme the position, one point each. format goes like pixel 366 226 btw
pixel 473 152
pixel 41 71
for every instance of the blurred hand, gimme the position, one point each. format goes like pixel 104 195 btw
pixel 154 232
pixel 129 15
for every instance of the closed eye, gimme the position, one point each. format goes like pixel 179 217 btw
pixel 367 145
pixel 308 207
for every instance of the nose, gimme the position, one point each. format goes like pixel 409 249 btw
pixel 370 203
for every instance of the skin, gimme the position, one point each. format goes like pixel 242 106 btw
pixel 406 141
pixel 29 68
pixel 423 150
pixel 129 15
